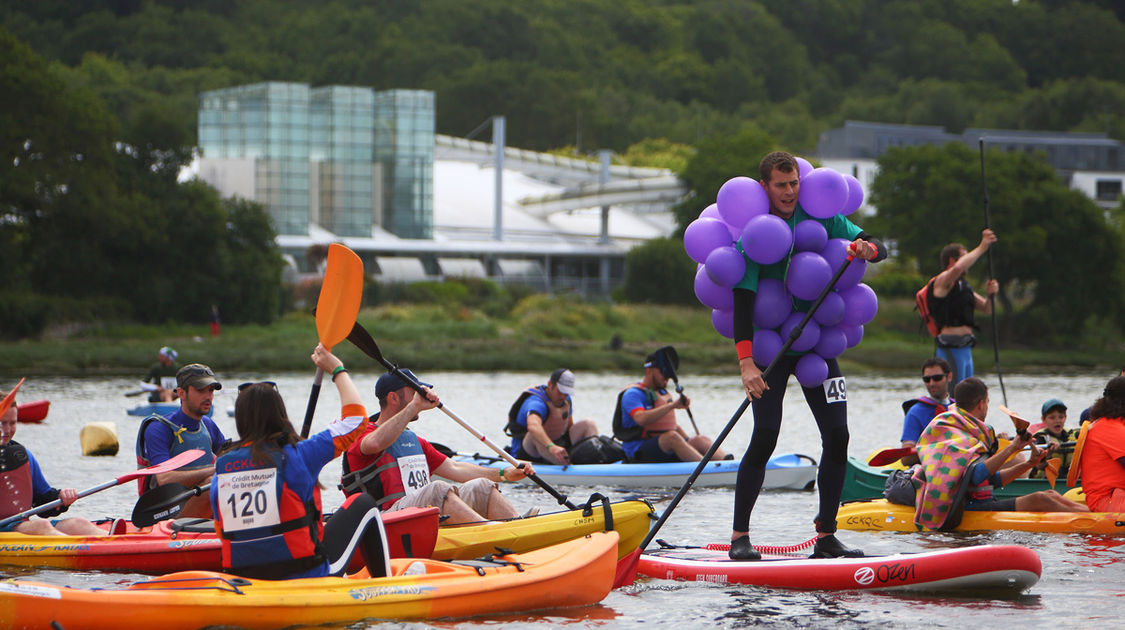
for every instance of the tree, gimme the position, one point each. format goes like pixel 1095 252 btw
pixel 659 271
pixel 716 160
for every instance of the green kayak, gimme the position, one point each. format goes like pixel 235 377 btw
pixel 863 482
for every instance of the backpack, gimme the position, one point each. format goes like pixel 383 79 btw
pixel 597 449
pixel 922 305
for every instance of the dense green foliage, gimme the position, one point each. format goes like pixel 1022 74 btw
pixel 660 272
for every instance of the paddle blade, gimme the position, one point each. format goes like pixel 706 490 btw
pixel 361 339
pixel 6 404
pixel 1052 471
pixel 1021 424
pixel 170 464
pixel 160 503
pixel 626 572
pixel 340 295
pixel 1079 442
pixel 890 455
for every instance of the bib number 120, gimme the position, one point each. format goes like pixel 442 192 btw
pixel 835 391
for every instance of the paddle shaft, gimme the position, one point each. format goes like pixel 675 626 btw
pixel 314 395
pixel 361 339
pixel 793 336
pixel 991 275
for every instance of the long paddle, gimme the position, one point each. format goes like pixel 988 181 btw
pixel 892 455
pixel 793 336
pixel 991 275
pixel 362 340
pixel 673 361
pixel 171 464
pixel 336 309
pixel 164 502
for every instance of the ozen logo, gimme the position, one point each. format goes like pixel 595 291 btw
pixel 864 576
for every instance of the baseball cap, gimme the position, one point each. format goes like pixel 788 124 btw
pixel 390 382
pixel 168 353
pixel 198 376
pixel 1051 404
pixel 564 380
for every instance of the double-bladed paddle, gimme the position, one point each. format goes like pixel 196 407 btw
pixel 6 404
pixel 362 340
pixel 171 464
pixel 164 502
pixel 341 294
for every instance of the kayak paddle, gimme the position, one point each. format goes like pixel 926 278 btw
pixel 1072 474
pixel 172 464
pixel 890 455
pixel 6 404
pixel 164 502
pixel 336 309
pixel 362 340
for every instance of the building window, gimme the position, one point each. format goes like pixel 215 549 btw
pixel 1108 189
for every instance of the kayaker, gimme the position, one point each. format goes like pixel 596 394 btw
pixel 961 435
pixel 920 410
pixel 395 466
pixel 1054 431
pixel 25 487
pixel 645 419
pixel 189 427
pixel 267 498
pixel 780 177
pixel 541 421
pixel 1103 452
pixel 953 302
pixel 160 382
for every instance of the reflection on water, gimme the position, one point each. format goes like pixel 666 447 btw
pixel 1082 575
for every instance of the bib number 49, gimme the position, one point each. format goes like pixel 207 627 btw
pixel 835 391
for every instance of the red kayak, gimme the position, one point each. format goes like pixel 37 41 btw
pixel 34 411
pixel 984 568
pixel 185 544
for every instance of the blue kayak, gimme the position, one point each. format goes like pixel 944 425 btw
pixel 789 471
pixel 147 409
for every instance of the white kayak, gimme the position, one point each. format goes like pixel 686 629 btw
pixel 788 471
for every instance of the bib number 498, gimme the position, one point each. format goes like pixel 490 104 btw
pixel 835 391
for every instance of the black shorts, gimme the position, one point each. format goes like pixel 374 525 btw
pixel 992 505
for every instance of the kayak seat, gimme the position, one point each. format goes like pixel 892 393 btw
pixel 193 525
pixel 358 524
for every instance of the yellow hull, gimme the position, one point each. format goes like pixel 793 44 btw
pixel 576 573
pixel 881 515
pixel 631 520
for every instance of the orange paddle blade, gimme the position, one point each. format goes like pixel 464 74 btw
pixel 6 404
pixel 340 295
pixel 1072 474
pixel 1052 471
pixel 1021 424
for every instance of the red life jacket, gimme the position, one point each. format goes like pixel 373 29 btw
pixel 15 479
pixel 385 479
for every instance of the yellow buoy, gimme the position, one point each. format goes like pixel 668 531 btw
pixel 99 438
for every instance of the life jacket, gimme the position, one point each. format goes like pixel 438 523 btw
pixel 638 432
pixel 1043 437
pixel 922 299
pixel 938 407
pixel 955 309
pixel 518 431
pixel 185 441
pixel 15 479
pixel 268 531
pixel 396 472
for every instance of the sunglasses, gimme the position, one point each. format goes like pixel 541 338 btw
pixel 933 378
pixel 245 385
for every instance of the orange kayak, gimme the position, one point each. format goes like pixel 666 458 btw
pixel 575 573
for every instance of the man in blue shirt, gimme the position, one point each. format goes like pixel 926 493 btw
pixel 542 424
pixel 919 411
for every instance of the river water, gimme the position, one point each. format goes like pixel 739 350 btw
pixel 1083 579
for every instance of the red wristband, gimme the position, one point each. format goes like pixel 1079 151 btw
pixel 745 349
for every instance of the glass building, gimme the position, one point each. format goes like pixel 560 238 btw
pixel 346 158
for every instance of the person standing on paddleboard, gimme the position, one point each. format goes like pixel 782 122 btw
pixel 780 177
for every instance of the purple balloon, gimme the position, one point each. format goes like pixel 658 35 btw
pixel 767 343
pixel 712 212
pixel 835 252
pixel 723 321
pixel 766 239
pixel 832 342
pixel 807 276
pixel 853 334
pixel 711 294
pixel 811 370
pixel 823 193
pixel 809 236
pixel 855 196
pixel 804 167
pixel 831 310
pixel 725 266
pixel 741 199
pixel 772 304
pixel 702 236
pixel 860 305
pixel 809 336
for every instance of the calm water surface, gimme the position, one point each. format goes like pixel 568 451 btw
pixel 1083 581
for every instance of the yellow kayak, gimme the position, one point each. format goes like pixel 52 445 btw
pixel 631 520
pixel 576 573
pixel 882 515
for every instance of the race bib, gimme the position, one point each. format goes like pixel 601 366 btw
pixel 415 473
pixel 248 499
pixel 168 382
pixel 835 391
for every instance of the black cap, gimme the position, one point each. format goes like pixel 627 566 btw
pixel 390 382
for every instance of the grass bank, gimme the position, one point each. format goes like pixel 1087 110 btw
pixel 540 333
